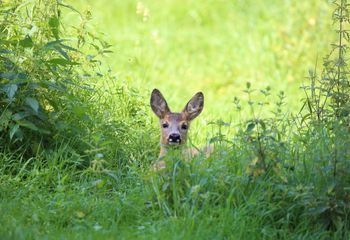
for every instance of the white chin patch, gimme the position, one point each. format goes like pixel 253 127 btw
pixel 171 142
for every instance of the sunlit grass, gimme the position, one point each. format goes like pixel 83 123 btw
pixel 107 190
pixel 182 47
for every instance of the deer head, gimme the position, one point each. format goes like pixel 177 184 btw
pixel 175 125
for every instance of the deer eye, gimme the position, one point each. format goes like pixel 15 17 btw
pixel 165 125
pixel 184 126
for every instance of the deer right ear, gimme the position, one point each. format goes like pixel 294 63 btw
pixel 158 104
pixel 194 107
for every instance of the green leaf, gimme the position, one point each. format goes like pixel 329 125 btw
pixel 12 75
pixel 318 210
pixel 248 85
pixel 62 62
pixel 28 124
pixel 250 127
pixel 262 124
pixel 309 106
pixel 69 7
pixel 27 42
pixel 18 116
pixel 63 53
pixel 54 24
pixel 13 130
pixel 53 44
pixel 306 116
pixel 5 118
pixel 165 186
pixel 44 131
pixel 33 103
pixel 69 48
pixel 10 90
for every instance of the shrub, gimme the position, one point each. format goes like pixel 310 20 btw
pixel 53 86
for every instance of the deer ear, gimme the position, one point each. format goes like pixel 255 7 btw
pixel 158 104
pixel 194 107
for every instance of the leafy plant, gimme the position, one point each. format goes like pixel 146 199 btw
pixel 328 95
pixel 325 127
pixel 39 75
pixel 266 136
pixel 55 89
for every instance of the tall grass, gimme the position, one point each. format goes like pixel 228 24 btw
pixel 77 144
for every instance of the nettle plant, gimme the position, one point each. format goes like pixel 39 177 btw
pixel 324 125
pixel 328 95
pixel 42 70
pixel 266 136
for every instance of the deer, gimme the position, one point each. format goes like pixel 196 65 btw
pixel 175 125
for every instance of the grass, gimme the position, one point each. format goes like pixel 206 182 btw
pixel 107 191
pixel 57 202
pixel 215 47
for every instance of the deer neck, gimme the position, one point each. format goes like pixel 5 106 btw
pixel 163 151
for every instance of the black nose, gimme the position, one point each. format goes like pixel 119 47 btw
pixel 174 138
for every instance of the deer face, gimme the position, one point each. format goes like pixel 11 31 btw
pixel 174 125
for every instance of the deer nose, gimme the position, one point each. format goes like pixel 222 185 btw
pixel 174 138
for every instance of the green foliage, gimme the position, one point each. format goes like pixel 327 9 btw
pixel 328 95
pixel 325 125
pixel 267 137
pixel 51 90
pixel 77 146
pixel 39 76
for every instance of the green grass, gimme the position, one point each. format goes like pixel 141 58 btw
pixel 214 46
pixel 106 189
pixel 211 200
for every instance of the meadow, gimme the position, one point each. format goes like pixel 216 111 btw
pixel 78 137
pixel 214 46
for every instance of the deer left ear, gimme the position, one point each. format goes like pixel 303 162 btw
pixel 194 107
pixel 159 104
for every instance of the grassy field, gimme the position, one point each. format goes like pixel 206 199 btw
pixel 94 180
pixel 214 46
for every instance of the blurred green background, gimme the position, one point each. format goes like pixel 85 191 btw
pixel 214 46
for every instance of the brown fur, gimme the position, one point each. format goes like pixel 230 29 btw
pixel 176 123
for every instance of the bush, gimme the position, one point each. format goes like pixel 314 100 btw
pixel 53 88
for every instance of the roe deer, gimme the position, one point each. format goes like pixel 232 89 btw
pixel 174 126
